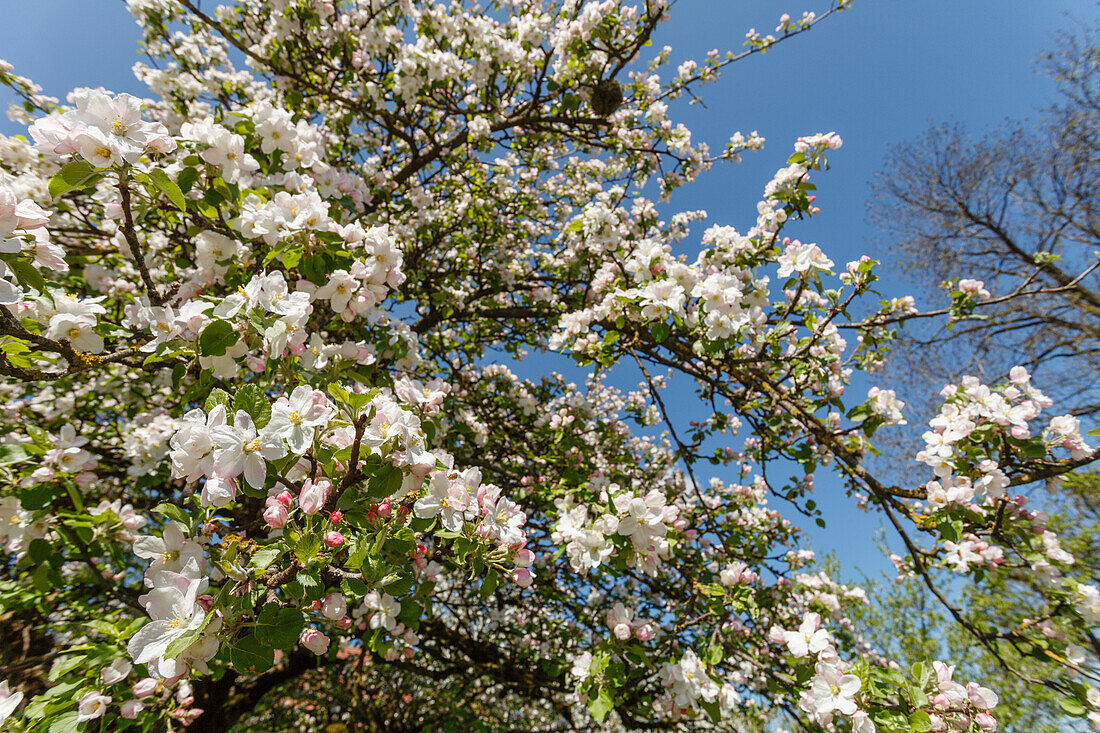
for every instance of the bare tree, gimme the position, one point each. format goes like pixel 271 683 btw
pixel 1018 208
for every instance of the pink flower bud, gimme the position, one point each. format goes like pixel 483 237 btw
pixel 315 641
pixel 285 498
pixel 384 509
pixel 313 496
pixel 523 577
pixel 985 721
pixel 334 606
pixel 335 517
pixel 644 632
pixel 981 697
pixel 524 558
pixel 144 688
pixel 334 539
pixel 131 708
pixel 275 515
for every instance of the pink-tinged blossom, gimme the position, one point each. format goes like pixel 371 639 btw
pixel 862 723
pixel 193 446
pixel 385 609
pixel 447 498
pixel 173 606
pixel 427 396
pixel 981 697
pixel 9 701
pixel 93 705
pixel 275 514
pixel 334 607
pixel 688 681
pixel 314 640
pixel 809 639
pixel 117 672
pixel 241 448
pixel 831 690
pixel 169 552
pixel 504 520
pixel 131 708
pixel 217 491
pixel 296 418
pixel 313 495
pixel 802 258
pixel 620 620
pixel 523 577
pixel 145 687
pixel 581 664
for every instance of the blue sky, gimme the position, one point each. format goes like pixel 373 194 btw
pixel 877 74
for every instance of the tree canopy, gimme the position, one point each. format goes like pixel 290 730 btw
pixel 270 460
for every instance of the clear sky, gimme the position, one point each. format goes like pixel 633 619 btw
pixel 877 74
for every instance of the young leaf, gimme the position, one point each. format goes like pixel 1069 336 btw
pixel 169 187
pixel 28 275
pixel 251 656
pixel 71 176
pixel 217 397
pixel 252 400
pixel 217 337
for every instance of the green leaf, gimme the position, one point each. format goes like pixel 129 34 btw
pixel 599 663
pixel 72 175
pixel 919 722
pixel 12 454
pixel 385 482
pixel 1072 706
pixel 950 530
pixel 279 627
pixel 217 337
pixel 217 397
pixel 601 705
pixel 252 400
pixel 40 551
pixel 358 554
pixel 66 664
pixel 187 178
pixel 490 584
pixel 28 275
pixel 308 548
pixel 173 512
pixel 713 710
pixel 66 723
pixel 659 331
pixel 251 656
pixel 264 556
pixel 401 586
pixel 169 187
pixel 39 497
pixel 180 645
